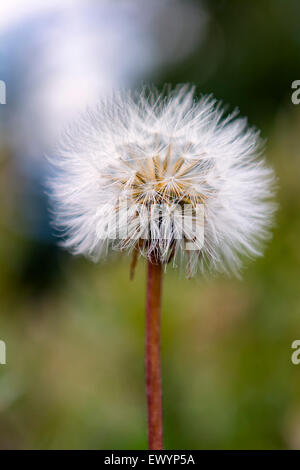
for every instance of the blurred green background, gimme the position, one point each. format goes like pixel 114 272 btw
pixel 74 331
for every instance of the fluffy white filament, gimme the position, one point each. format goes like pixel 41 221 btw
pixel 132 174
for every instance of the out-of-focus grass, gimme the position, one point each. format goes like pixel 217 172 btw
pixel 75 348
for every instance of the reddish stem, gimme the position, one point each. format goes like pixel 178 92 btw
pixel 153 367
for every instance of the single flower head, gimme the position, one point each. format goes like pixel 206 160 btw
pixel 167 176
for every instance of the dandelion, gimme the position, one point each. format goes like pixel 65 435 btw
pixel 171 179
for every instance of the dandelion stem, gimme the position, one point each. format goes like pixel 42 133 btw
pixel 153 366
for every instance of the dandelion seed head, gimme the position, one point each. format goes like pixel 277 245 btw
pixel 120 164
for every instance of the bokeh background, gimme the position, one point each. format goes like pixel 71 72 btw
pixel 74 331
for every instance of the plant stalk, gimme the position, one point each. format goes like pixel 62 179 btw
pixel 153 362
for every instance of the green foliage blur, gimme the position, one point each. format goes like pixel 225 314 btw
pixel 74 331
